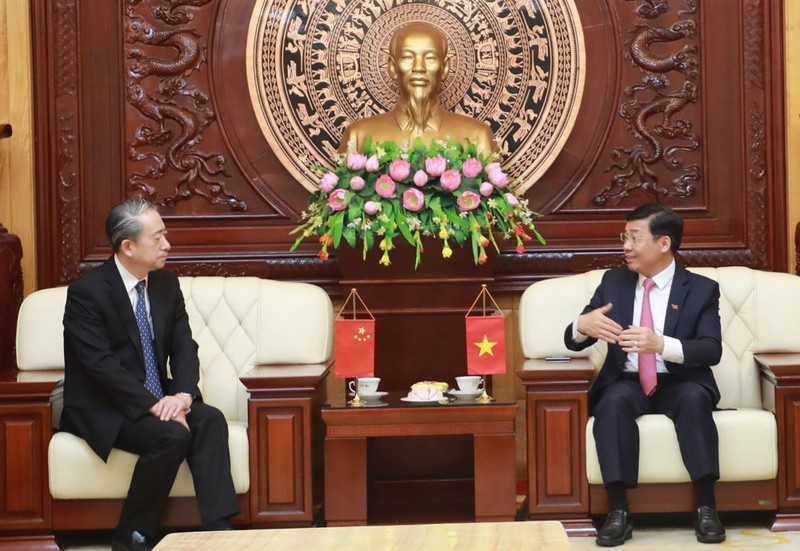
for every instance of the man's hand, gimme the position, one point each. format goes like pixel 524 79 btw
pixel 598 326
pixel 641 340
pixel 172 408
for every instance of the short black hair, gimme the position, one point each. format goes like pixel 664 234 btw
pixel 662 221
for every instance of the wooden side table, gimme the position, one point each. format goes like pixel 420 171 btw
pixel 347 430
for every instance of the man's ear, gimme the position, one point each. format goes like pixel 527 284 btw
pixel 391 68
pixel 126 247
pixel 666 243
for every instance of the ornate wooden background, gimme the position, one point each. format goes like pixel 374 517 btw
pixel 683 104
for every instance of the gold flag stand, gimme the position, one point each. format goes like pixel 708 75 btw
pixel 357 400
pixel 484 398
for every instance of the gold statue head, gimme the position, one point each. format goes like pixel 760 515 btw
pixel 418 60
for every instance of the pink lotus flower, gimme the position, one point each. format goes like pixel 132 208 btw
pixel 435 166
pixel 413 199
pixel 371 207
pixel 469 200
pixel 384 186
pixel 399 170
pixel 471 167
pixel 498 178
pixel 420 178
pixel 357 183
pixel 450 179
pixel 356 161
pixel 512 199
pixel 493 166
pixel 486 189
pixel 337 199
pixel 372 164
pixel 328 182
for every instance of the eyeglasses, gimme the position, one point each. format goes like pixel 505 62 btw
pixel 634 239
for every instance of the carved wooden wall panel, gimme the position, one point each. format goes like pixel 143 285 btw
pixel 683 103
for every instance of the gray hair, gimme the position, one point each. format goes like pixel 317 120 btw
pixel 123 221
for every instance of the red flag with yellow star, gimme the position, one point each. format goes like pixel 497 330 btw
pixel 486 345
pixel 354 348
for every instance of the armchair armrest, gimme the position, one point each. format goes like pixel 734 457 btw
pixel 539 374
pixel 266 379
pixel 780 376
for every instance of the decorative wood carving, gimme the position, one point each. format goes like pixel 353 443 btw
pixel 644 132
pixel 163 90
pixel 666 141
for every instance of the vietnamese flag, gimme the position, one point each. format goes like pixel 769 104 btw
pixel 355 348
pixel 486 345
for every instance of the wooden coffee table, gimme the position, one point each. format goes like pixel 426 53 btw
pixel 485 536
pixel 347 430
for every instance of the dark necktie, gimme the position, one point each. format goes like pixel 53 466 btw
pixel 151 379
pixel 647 362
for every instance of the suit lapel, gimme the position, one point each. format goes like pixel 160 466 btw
pixel 677 298
pixel 122 303
pixel 627 298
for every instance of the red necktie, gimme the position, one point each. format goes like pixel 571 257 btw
pixel 647 362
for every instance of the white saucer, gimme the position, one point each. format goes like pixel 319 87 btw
pixel 372 397
pixel 465 395
pixel 431 401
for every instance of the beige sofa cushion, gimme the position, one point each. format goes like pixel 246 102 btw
pixel 76 472
pixel 748 448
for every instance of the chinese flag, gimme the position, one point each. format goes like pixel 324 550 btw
pixel 355 348
pixel 486 345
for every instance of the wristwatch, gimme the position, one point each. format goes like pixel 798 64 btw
pixel 186 394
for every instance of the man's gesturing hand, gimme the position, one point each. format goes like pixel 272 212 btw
pixel 597 325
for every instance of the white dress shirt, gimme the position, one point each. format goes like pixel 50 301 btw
pixel 129 281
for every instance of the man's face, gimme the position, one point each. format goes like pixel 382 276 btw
pixel 149 252
pixel 418 64
pixel 644 253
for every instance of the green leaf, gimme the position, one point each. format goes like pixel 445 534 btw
pixel 337 226
pixel 349 235
pixel 402 225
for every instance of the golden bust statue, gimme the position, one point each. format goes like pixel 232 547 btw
pixel 418 62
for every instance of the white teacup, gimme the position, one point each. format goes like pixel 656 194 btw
pixel 366 385
pixel 468 383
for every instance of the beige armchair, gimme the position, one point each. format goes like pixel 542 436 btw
pixel 264 349
pixel 759 380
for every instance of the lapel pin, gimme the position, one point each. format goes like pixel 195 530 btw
pixel 675 307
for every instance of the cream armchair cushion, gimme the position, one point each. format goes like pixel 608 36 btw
pixel 238 322
pixel 758 311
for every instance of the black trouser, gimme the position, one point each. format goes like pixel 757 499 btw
pixel 616 434
pixel 162 446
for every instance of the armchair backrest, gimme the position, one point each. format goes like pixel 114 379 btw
pixel 759 311
pixel 238 322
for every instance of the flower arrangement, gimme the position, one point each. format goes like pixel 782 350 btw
pixel 448 190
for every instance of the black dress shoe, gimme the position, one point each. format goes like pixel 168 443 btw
pixel 616 529
pixel 707 526
pixel 131 540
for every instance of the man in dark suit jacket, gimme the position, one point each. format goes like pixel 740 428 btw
pixel 106 400
pixel 682 342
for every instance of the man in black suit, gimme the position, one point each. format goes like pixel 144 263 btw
pixel 123 321
pixel 662 327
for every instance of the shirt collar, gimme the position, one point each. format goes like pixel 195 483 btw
pixel 405 122
pixel 128 279
pixel 661 279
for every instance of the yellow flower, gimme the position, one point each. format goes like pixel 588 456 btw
pixel 385 259
pixel 447 252
pixel 443 233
